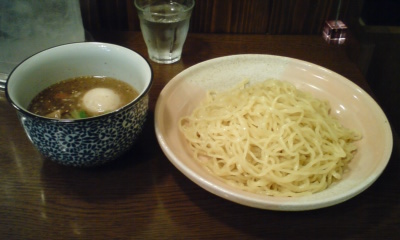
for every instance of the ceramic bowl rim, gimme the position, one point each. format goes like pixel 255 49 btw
pixel 67 121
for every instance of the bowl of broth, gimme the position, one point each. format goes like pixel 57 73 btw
pixel 82 104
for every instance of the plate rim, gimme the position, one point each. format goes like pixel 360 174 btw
pixel 258 202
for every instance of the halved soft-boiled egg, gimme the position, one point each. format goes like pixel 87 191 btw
pixel 100 100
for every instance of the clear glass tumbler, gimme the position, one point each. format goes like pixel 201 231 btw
pixel 164 25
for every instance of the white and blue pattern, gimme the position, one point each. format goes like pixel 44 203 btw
pixel 87 142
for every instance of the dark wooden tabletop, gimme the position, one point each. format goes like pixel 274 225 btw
pixel 143 196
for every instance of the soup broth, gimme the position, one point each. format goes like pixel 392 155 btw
pixel 82 97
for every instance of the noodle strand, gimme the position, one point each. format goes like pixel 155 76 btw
pixel 269 138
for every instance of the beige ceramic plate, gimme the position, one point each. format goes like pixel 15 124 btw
pixel 354 107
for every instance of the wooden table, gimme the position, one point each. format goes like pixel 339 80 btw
pixel 142 195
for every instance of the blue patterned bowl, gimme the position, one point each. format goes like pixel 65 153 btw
pixel 84 142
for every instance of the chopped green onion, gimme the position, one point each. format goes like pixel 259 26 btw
pixel 78 114
pixel 82 114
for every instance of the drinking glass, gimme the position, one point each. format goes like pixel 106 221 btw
pixel 164 25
